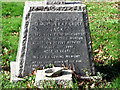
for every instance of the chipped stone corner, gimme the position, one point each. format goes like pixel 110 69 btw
pixel 13 68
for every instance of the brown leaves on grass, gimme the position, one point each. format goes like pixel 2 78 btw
pixel 15 33
pixel 100 56
pixel 82 82
pixel 28 84
pixel 5 50
pixel 8 16
pixel 85 82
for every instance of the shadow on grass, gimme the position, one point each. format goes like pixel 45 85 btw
pixel 110 71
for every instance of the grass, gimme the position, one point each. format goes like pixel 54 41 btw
pixel 104 28
pixel 103 19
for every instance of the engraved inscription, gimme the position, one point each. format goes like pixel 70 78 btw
pixel 55 37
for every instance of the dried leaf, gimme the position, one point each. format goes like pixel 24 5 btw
pixel 32 81
pixel 96 51
pixel 1 55
pixel 104 57
pixel 93 85
pixel 80 84
pixel 28 84
pixel 6 50
pixel 101 51
pixel 34 72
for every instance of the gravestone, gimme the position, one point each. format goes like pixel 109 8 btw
pixel 54 34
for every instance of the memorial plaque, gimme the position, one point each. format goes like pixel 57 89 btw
pixel 54 34
pixel 55 37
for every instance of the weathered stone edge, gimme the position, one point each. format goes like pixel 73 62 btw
pixel 88 39
pixel 13 70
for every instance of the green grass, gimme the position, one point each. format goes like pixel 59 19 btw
pixel 104 28
pixel 104 33
pixel 116 83
pixel 12 9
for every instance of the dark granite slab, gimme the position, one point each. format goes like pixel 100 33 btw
pixel 57 38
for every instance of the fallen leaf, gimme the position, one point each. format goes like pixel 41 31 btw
pixel 28 84
pixel 6 50
pixel 96 51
